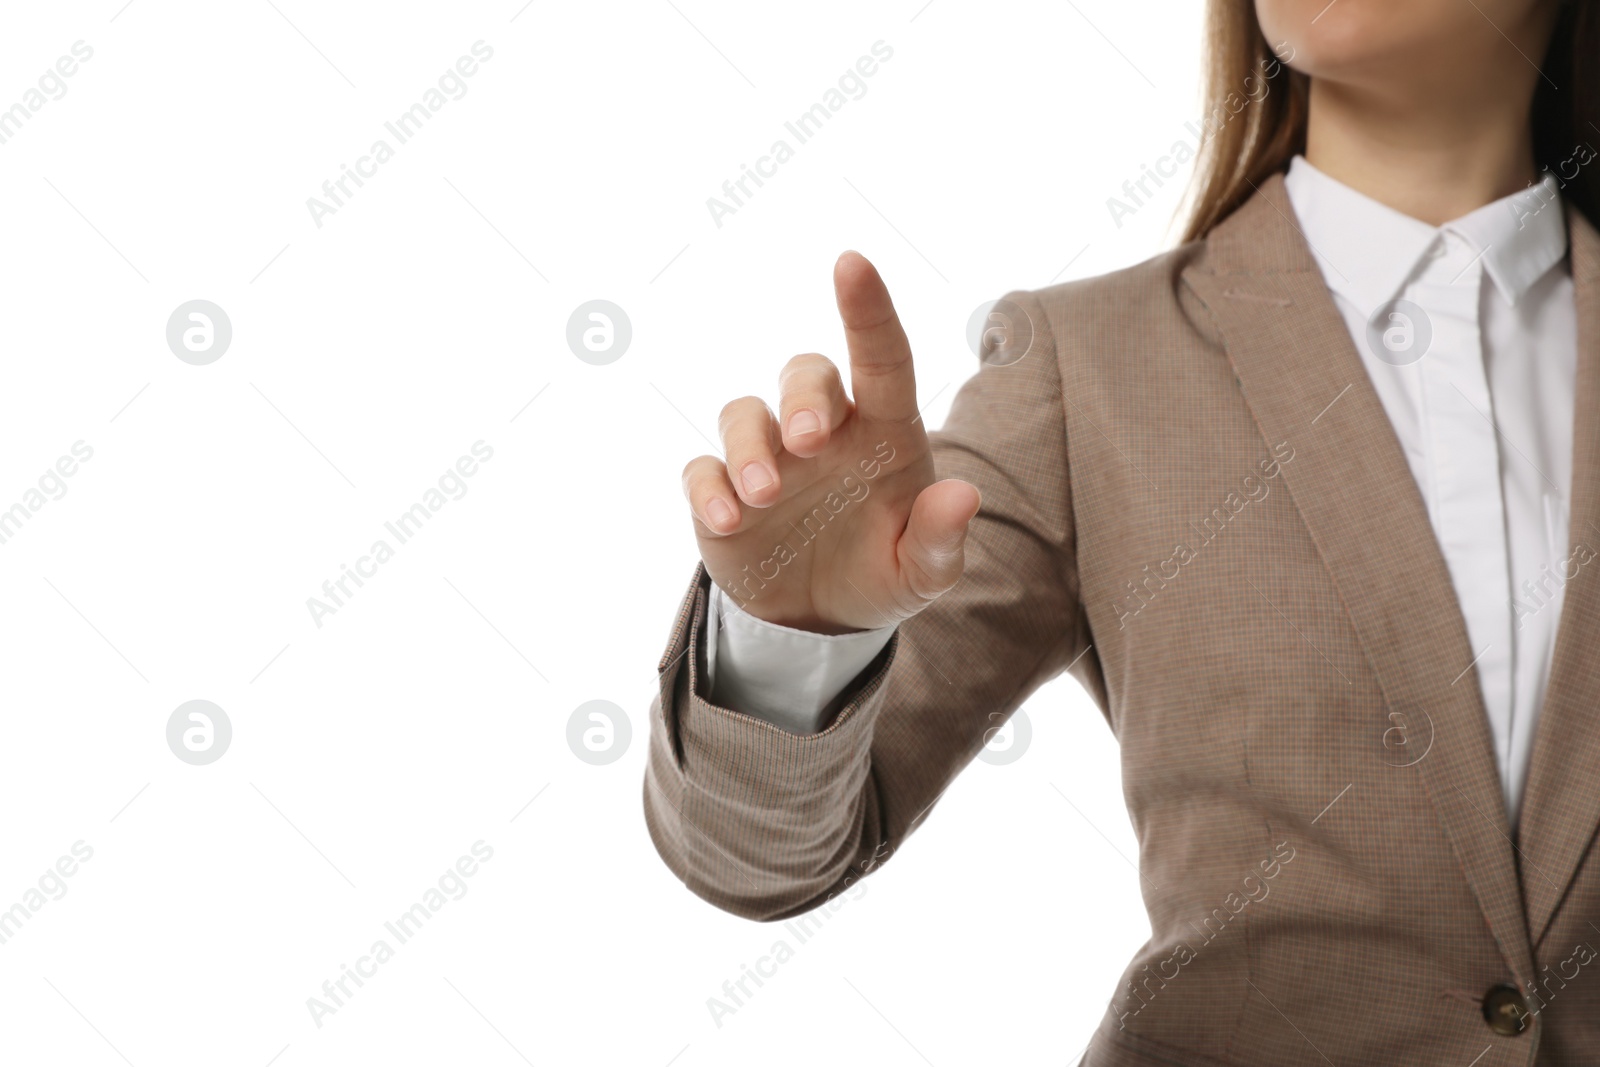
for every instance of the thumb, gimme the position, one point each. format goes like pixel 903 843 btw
pixel 931 549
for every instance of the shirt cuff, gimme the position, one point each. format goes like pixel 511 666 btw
pixel 785 676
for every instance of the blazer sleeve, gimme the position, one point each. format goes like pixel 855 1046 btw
pixel 767 823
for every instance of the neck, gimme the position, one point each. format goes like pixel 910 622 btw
pixel 1435 161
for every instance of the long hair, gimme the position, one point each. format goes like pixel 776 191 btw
pixel 1251 143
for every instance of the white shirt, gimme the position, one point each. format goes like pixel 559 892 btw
pixel 1473 353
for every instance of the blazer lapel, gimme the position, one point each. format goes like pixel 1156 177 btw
pixel 1561 807
pixel 1305 383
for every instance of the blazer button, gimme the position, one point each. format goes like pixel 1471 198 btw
pixel 1505 1010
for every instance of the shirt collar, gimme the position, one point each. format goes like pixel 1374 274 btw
pixel 1521 236
pixel 1367 250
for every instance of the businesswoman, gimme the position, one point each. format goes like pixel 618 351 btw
pixel 1310 505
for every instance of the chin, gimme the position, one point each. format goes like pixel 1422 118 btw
pixel 1370 40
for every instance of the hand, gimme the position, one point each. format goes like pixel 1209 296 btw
pixel 827 518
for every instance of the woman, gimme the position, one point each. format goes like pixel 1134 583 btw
pixel 1305 503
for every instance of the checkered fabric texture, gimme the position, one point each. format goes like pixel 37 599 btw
pixel 1194 502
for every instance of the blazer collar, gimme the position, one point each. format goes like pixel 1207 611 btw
pixel 1305 383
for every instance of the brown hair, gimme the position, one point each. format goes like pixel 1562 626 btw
pixel 1252 143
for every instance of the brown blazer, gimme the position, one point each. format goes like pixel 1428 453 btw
pixel 1194 501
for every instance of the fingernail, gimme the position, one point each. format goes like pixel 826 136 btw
pixel 720 514
pixel 756 477
pixel 803 422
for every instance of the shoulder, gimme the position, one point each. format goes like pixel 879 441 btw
pixel 1145 292
pixel 1145 308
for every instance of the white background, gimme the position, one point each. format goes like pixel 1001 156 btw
pixel 371 752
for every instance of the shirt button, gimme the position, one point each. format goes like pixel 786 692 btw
pixel 1505 1010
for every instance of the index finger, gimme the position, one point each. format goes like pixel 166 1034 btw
pixel 881 376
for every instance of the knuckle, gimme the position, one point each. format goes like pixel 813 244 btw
pixel 807 363
pixel 738 413
pixel 817 385
pixel 816 399
pixel 743 443
pixel 934 573
pixel 882 368
pixel 697 472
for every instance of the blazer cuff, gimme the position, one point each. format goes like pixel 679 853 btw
pixel 717 745
pixel 753 817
